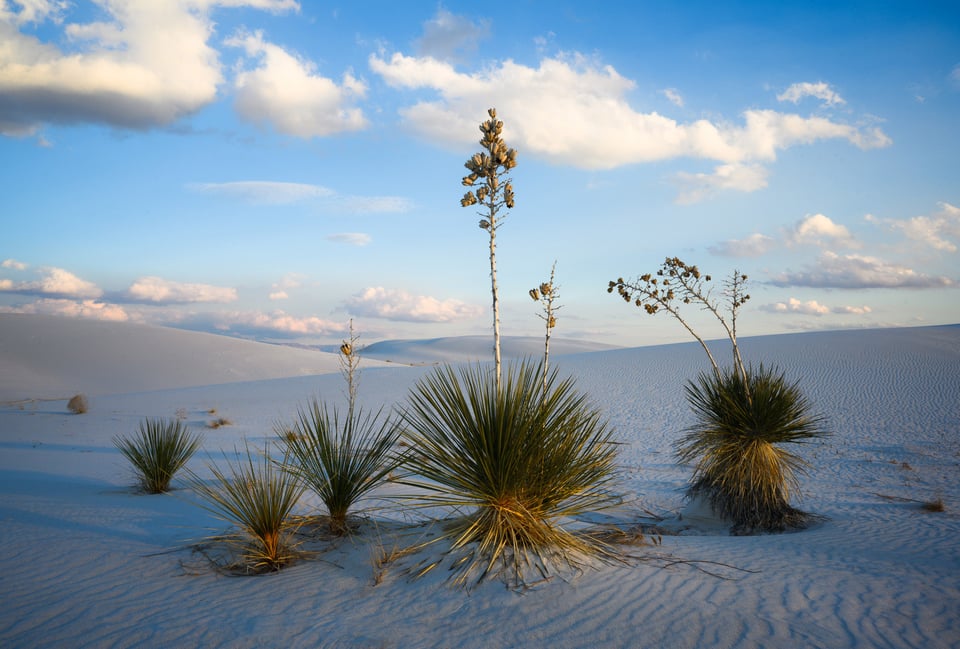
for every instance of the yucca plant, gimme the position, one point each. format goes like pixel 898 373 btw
pixel 157 451
pixel 257 496
pixel 741 414
pixel 740 467
pixel 341 459
pixel 512 463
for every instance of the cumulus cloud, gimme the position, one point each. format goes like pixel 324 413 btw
pixel 285 92
pixel 820 230
pixel 279 289
pixel 741 177
pixel 940 230
pixel 275 323
pixel 819 90
pixel 594 127
pixel 447 36
pixel 156 290
pixel 91 309
pixel 755 245
pixel 13 264
pixel 145 64
pixel 54 281
pixel 379 302
pixel 351 238
pixel 814 308
pixel 857 271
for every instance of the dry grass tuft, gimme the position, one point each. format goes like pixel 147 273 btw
pixel 78 404
pixel 219 422
pixel 934 505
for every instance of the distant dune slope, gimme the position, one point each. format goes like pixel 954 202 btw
pixel 53 357
pixel 473 348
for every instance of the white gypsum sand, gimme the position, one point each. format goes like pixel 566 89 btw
pixel 88 562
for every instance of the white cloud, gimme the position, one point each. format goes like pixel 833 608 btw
pixel 446 35
pixel 54 281
pixel 696 187
pixel 351 238
pixel 145 64
pixel 852 310
pixel 277 323
pixel 14 264
pixel 940 230
pixel 90 309
pixel 793 305
pixel 279 290
pixel 279 295
pixel 573 110
pixel 819 90
pixel 755 245
pixel 857 271
pixel 379 302
pixel 286 92
pixel 32 11
pixel 161 291
pixel 673 95
pixel 265 191
pixel 821 230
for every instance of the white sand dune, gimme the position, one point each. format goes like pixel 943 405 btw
pixel 49 356
pixel 88 562
pixel 473 348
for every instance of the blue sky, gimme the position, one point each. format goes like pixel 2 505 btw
pixel 272 169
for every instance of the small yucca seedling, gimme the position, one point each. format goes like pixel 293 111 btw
pixel 157 451
pixel 340 459
pixel 257 496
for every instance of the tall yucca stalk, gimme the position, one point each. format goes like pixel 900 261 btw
pixel 513 462
pixel 491 166
pixel 341 460
pixel 257 496
pixel 739 467
pixel 157 451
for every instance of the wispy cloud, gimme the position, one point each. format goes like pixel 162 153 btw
pixel 156 290
pixel 351 238
pixel 814 308
pixel 819 90
pixel 52 282
pixel 267 192
pixel 89 309
pixel 940 230
pixel 697 187
pixel 273 324
pixel 674 96
pixel 858 272
pixel 449 37
pixel 272 192
pixel 284 91
pixel 13 264
pixel 392 304
pixel 821 230
pixel 756 245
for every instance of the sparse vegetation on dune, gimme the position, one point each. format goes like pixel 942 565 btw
pixel 78 404
pixel 513 462
pixel 743 414
pixel 257 496
pixel 157 451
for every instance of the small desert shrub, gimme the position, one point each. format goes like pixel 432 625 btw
pixel 78 404
pixel 341 459
pixel 219 422
pixel 512 462
pixel 157 451
pixel 257 496
pixel 739 466
pixel 935 505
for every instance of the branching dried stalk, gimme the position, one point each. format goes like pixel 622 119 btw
pixel 495 192
pixel 546 294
